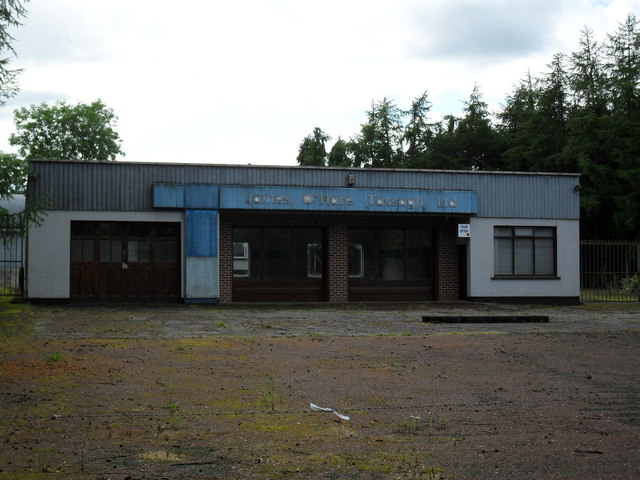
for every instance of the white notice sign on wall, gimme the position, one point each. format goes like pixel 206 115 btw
pixel 464 230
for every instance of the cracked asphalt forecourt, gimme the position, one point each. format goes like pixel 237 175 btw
pixel 359 391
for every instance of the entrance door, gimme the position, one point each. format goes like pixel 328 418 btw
pixel 390 264
pixel 125 261
pixel 278 264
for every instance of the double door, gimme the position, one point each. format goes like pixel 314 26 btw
pixel 125 261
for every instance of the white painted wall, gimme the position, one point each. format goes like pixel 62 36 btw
pixel 49 248
pixel 481 257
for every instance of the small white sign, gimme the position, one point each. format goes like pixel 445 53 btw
pixel 464 230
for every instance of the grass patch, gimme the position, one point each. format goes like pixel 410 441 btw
pixel 54 358
pixel 15 319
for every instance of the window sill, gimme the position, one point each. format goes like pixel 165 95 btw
pixel 525 277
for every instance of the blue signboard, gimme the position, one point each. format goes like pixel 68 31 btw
pixel 348 199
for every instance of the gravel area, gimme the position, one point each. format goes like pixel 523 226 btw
pixel 163 321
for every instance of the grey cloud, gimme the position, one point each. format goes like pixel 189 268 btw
pixel 26 98
pixel 482 30
pixel 51 34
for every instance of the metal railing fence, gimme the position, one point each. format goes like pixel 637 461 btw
pixel 11 255
pixel 609 271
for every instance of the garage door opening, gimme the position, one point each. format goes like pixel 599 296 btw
pixel 125 261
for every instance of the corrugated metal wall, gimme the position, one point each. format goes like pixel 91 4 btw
pixel 123 186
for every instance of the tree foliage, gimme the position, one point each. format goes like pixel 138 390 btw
pixel 581 116
pixel 13 176
pixel 11 11
pixel 13 171
pixel 312 151
pixel 66 132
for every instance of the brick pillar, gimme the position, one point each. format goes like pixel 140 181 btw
pixel 225 256
pixel 447 263
pixel 338 263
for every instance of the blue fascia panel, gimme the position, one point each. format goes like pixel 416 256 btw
pixel 349 199
pixel 168 196
pixel 201 196
pixel 201 233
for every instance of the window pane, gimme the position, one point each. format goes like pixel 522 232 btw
pixel 544 256
pixel 132 250
pixel 503 256
pixel 301 239
pixel 367 240
pixel 523 232
pixel 87 250
pixel 116 251
pixel 173 251
pixel 105 250
pixel 117 229
pixel 418 253
pixel 503 231
pixel 240 249
pixel 248 268
pixel 277 254
pixel 544 232
pixel 76 250
pixel 143 251
pixel 168 230
pixel 314 260
pixel 390 255
pixel 162 254
pixel 240 259
pixel 523 256
pixel 356 260
pixel 82 229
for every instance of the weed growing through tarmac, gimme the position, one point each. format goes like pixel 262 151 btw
pixel 413 424
pixel 268 397
pixel 14 318
pixel 173 407
pixel 54 358
pixel 410 425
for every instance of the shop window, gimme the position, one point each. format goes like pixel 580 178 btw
pixel 524 251
pixel 390 255
pixel 277 254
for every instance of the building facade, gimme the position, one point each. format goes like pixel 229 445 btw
pixel 142 232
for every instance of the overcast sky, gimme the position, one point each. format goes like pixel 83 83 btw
pixel 245 81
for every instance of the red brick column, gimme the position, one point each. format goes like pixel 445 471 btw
pixel 447 263
pixel 337 263
pixel 225 259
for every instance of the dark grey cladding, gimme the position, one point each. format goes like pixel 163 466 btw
pixel 126 186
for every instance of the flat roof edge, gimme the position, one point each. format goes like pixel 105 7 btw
pixel 298 167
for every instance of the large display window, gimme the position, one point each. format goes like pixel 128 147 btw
pixel 278 264
pixel 390 264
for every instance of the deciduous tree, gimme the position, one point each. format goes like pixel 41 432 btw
pixel 67 132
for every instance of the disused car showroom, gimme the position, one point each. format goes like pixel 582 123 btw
pixel 150 232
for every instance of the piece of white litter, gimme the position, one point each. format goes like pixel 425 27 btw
pixel 316 408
